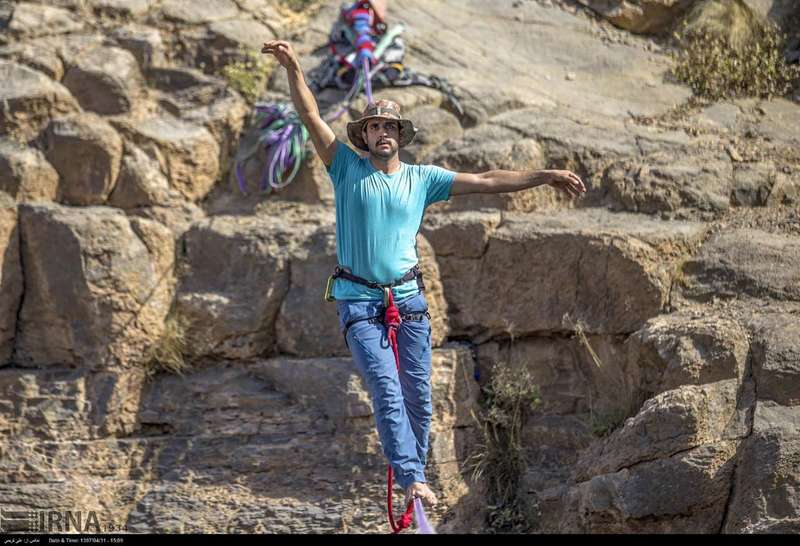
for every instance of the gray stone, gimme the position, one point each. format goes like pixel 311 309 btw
pixel 37 55
pixel 186 11
pixel 31 99
pixel 233 295
pixel 187 153
pixel 105 80
pixel 776 357
pixel 141 182
pixel 25 173
pixel 144 43
pixel 30 20
pixel 740 263
pixel 86 151
pixel 765 492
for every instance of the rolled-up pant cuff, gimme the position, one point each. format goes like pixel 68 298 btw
pixel 407 479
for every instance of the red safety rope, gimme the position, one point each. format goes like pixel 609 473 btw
pixel 392 321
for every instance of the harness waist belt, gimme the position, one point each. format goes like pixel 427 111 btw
pixel 343 272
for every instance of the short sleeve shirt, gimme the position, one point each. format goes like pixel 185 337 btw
pixel 378 216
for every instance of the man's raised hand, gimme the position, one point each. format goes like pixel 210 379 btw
pixel 282 51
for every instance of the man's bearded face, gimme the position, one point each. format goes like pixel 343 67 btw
pixel 382 137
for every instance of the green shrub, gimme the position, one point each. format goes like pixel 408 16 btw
pixel 168 354
pixel 727 51
pixel 249 73
pixel 500 458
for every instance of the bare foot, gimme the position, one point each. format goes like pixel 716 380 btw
pixel 421 490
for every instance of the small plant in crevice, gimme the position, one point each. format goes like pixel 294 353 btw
pixel 169 352
pixel 726 51
pixel 249 73
pixel 624 398
pixel 499 459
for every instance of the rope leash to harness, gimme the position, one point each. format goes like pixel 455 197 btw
pixel 392 322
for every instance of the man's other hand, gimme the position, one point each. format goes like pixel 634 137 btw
pixel 567 181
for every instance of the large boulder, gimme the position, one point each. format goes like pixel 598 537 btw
pixel 307 324
pixel 143 42
pixel 609 271
pixel 203 100
pixel 187 153
pixel 86 151
pixel 25 173
pixel 105 80
pixel 234 276
pixel 666 183
pixel 765 493
pixel 98 286
pixel 29 99
pixel 776 357
pixel 691 495
pixel 742 263
pixel 140 183
pixel 682 348
pixel 10 276
pixel 674 421
pixel 38 54
pixel 30 20
pixel 640 16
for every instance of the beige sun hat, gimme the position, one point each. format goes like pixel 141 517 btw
pixel 385 109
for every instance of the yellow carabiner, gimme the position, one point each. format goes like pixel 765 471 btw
pixel 386 292
pixel 329 290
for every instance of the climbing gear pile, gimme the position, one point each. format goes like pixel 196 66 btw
pixel 363 52
pixel 391 319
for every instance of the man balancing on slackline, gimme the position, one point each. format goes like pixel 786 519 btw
pixel 379 206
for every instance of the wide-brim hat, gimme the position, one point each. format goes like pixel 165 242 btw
pixel 385 109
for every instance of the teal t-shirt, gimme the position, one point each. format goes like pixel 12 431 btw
pixel 377 219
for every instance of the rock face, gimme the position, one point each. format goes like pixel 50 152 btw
pixel 98 287
pixel 657 313
pixel 10 276
pixel 543 262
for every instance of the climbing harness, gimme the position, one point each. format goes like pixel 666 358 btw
pixel 391 319
pixel 363 52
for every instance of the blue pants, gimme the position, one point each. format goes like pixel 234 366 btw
pixel 402 405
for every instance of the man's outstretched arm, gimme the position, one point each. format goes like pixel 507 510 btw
pixel 509 181
pixel 304 103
